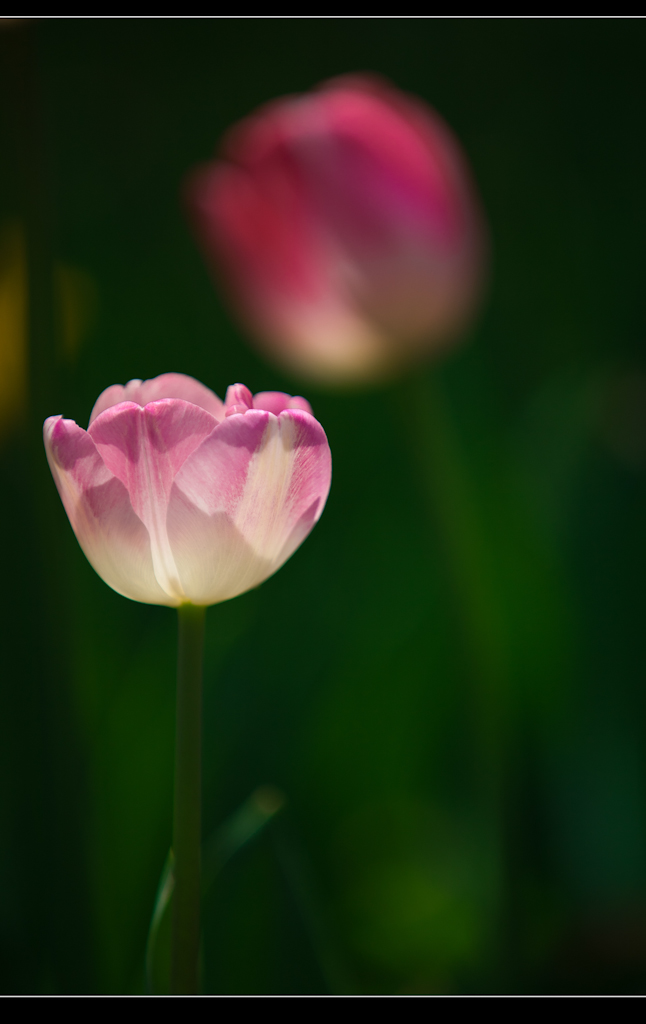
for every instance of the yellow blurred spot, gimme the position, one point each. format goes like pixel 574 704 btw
pixel 76 299
pixel 13 326
pixel 77 302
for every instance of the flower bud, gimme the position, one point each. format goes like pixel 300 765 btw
pixel 346 225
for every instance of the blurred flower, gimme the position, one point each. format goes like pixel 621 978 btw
pixel 347 226
pixel 177 497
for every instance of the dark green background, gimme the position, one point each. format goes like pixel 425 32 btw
pixel 447 679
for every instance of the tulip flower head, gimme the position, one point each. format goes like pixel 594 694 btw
pixel 177 497
pixel 347 226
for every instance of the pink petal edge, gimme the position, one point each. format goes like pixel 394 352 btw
pixel 167 385
pixel 278 401
pixel 112 537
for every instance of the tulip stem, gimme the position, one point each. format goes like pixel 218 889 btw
pixel 454 507
pixel 187 813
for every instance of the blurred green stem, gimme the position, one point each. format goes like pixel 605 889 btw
pixel 187 814
pixel 454 508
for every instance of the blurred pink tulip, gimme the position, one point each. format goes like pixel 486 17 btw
pixel 348 228
pixel 177 497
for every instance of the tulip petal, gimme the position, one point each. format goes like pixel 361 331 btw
pixel 245 499
pixel 269 240
pixel 238 399
pixel 396 203
pixel 167 385
pixel 113 538
pixel 278 401
pixel 395 178
pixel 144 448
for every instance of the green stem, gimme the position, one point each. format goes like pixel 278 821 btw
pixel 455 511
pixel 454 508
pixel 187 815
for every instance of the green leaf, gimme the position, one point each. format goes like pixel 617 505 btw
pixel 246 823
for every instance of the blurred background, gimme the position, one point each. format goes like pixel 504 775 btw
pixel 446 682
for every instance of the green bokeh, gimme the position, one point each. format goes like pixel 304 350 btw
pixel 447 680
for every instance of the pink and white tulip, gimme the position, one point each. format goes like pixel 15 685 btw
pixel 347 225
pixel 177 497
